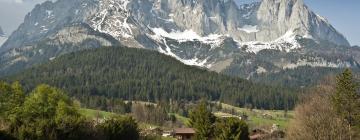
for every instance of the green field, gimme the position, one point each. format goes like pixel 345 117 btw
pixel 181 119
pixel 262 118
pixel 256 118
pixel 91 114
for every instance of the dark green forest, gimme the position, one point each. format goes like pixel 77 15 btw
pixel 301 77
pixel 135 74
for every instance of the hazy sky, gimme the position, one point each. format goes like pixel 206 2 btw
pixel 344 15
pixel 12 13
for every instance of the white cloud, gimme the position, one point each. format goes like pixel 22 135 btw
pixel 18 1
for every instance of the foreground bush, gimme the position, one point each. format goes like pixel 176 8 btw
pixel 119 128
pixel 231 129
pixel 329 112
pixel 48 114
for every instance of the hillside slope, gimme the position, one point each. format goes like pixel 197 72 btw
pixel 135 74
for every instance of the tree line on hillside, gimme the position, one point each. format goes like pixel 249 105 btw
pixel 300 77
pixel 330 111
pixel 134 74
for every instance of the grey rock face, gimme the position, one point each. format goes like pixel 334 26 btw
pixel 69 39
pixel 269 19
pixel 126 20
pixel 48 18
pixel 279 16
pixel 1 32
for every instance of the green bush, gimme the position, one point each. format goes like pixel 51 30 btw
pixel 231 129
pixel 119 128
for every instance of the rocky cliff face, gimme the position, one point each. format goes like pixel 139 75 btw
pixel 47 19
pixel 265 21
pixel 1 32
pixel 260 37
pixel 279 16
pixel 2 37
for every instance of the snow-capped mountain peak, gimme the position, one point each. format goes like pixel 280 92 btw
pixel 216 34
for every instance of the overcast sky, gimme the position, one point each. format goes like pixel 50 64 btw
pixel 344 15
pixel 12 13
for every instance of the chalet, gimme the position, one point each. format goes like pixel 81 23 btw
pixel 168 133
pixel 184 133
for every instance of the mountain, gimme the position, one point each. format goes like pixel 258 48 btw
pixel 259 38
pixel 2 40
pixel 2 37
pixel 1 32
pixel 138 74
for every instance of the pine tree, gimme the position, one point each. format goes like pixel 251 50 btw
pixel 232 129
pixel 346 100
pixel 202 120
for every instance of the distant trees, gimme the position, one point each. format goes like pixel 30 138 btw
pixel 300 77
pixel 116 105
pixel 328 112
pixel 153 114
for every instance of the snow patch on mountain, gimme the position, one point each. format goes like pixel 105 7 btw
pixel 192 62
pixel 286 43
pixel 187 35
pixel 318 62
pixel 322 18
pixel 113 19
pixel 249 29
pixel 214 40
pixel 260 70
pixel 2 40
pixel 49 13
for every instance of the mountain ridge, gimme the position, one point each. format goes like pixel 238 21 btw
pixel 231 21
pixel 266 36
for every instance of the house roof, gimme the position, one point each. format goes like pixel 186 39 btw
pixel 184 131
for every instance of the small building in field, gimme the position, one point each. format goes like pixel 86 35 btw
pixel 168 133
pixel 184 133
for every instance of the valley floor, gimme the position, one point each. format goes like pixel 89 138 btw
pixel 256 118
